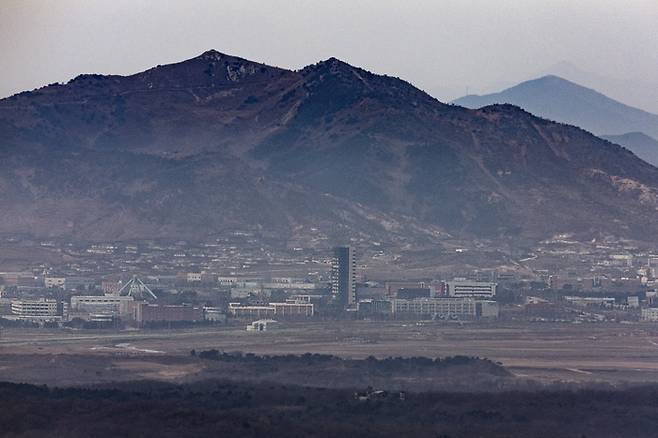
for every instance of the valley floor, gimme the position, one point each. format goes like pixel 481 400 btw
pixel 613 354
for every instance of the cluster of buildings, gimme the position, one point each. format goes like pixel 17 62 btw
pixel 129 303
pixel 216 281
pixel 457 299
pixel 213 298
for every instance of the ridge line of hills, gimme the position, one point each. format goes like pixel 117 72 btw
pixel 565 101
pixel 322 154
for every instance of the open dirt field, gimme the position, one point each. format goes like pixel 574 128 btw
pixel 613 353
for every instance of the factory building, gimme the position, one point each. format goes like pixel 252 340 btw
pixel 292 309
pixel 145 313
pixel 101 317
pixel 372 307
pixel 115 305
pixel 471 289
pixel 41 308
pixel 305 298
pixel 79 283
pixel 650 314
pixel 292 286
pixel 468 308
pixel 393 287
pixel 287 310
pixel 633 302
pixel 590 301
pixel 110 287
pixel 194 277
pixel 259 312
pixel 15 278
pixel 216 314
pixel 262 325
pixel 409 293
pixel 51 282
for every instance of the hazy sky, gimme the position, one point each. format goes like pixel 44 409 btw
pixel 442 46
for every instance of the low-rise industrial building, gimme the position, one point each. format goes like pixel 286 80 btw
pixel 51 282
pixel 105 304
pixel 216 314
pixel 590 301
pixel 306 298
pixel 292 309
pixel 393 287
pixel 271 310
pixel 260 312
pixel 110 287
pixel 633 302
pixel 468 308
pixel 650 314
pixel 15 278
pixel 101 317
pixel 145 312
pixel 471 289
pixel 372 307
pixel 292 286
pixel 79 283
pixel 41 308
pixel 194 277
pixel 262 325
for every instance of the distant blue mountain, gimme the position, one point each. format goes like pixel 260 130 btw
pixel 563 101
pixel 641 144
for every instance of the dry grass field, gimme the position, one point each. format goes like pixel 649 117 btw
pixel 612 353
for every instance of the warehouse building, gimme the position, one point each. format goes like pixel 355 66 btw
pixel 262 325
pixel 288 310
pixel 106 304
pixel 461 308
pixel 650 314
pixel 252 312
pixel 292 309
pixel 591 301
pixel 145 313
pixel 373 307
pixel 471 289
pixel 42 308
pixel 51 282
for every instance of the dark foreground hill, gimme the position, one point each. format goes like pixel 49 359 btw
pixel 254 410
pixel 219 143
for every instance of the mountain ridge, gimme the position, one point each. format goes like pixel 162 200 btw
pixel 565 101
pixel 642 145
pixel 329 152
pixel 635 92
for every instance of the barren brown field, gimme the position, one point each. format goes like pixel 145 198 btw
pixel 612 353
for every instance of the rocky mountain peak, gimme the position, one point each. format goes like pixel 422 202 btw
pixel 211 55
pixel 221 141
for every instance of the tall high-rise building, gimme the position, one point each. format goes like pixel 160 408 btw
pixel 343 276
